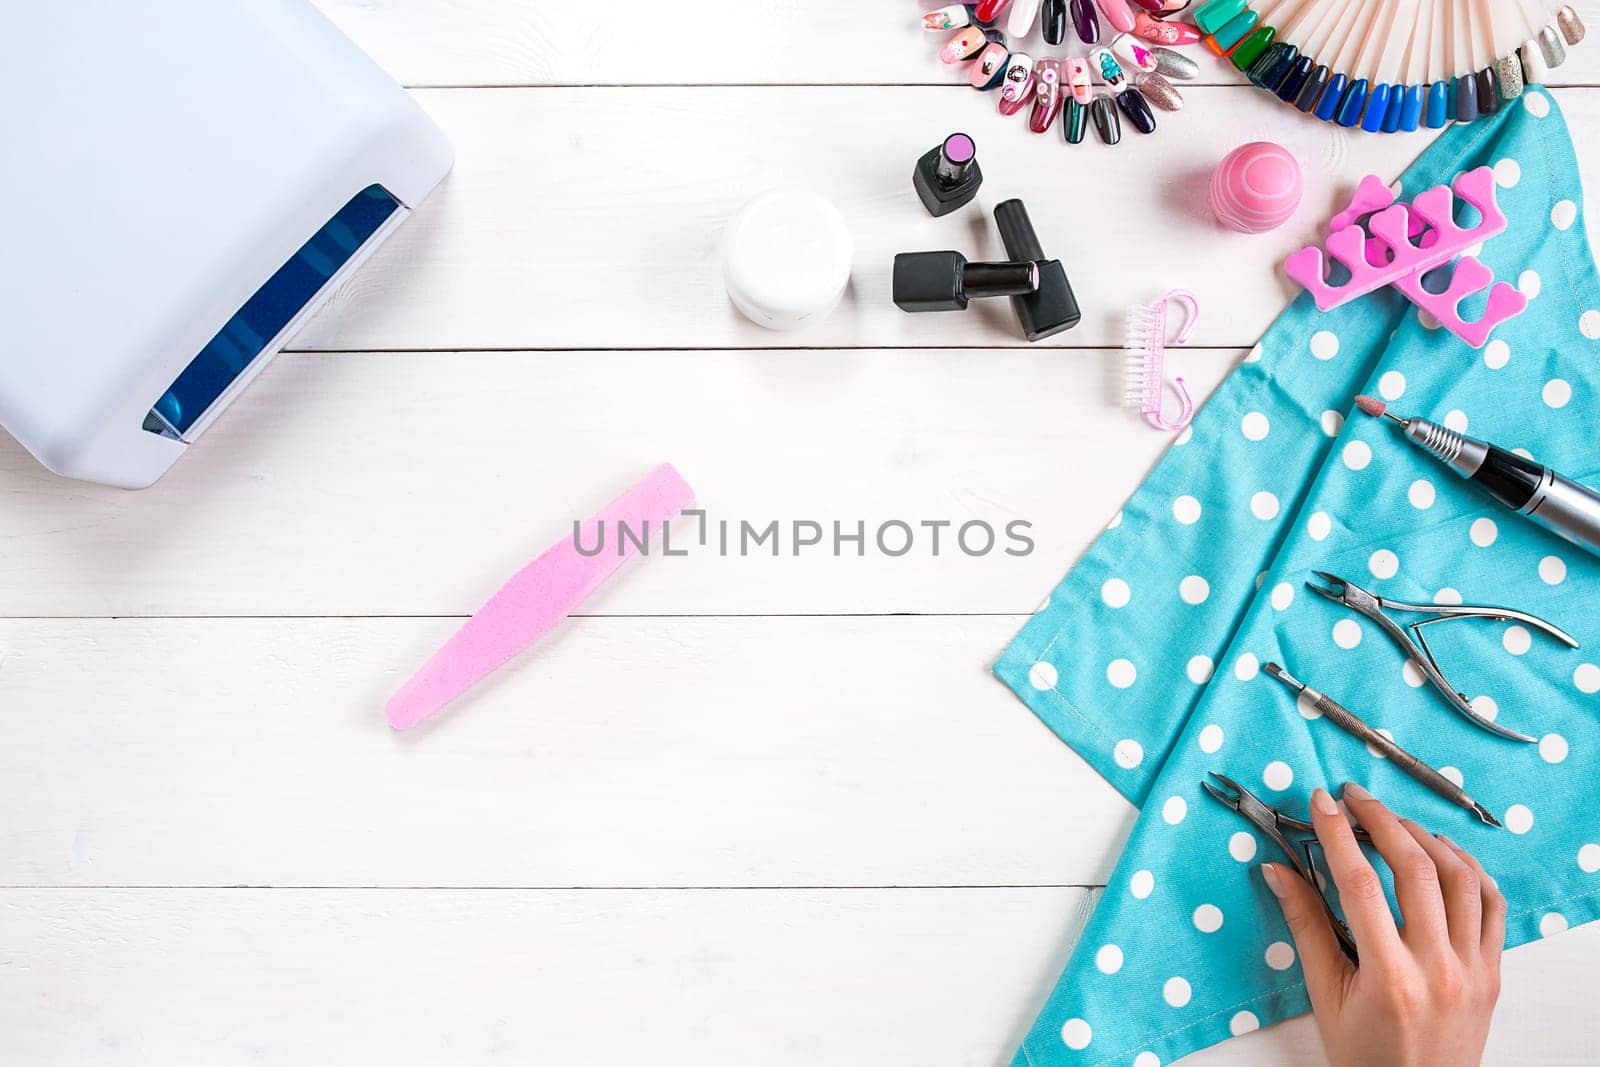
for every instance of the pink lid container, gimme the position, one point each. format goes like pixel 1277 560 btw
pixel 1256 188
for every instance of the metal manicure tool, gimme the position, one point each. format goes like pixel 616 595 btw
pixel 1276 825
pixel 1347 721
pixel 1376 608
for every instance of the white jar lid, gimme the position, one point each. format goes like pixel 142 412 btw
pixel 786 259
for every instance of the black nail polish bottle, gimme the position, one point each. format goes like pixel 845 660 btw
pixel 1051 308
pixel 948 177
pixel 945 281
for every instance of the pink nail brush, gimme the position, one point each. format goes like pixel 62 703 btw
pixel 539 596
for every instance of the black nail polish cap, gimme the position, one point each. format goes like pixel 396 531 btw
pixel 945 281
pixel 948 176
pixel 1052 308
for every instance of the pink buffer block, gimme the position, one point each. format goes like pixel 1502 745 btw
pixel 538 597
pixel 1401 244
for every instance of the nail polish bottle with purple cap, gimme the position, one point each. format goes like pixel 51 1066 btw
pixel 948 176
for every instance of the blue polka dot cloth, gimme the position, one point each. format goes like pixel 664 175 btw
pixel 1148 657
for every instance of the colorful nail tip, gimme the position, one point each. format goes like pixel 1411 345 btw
pixel 1159 31
pixel 1047 94
pixel 1085 21
pixel 1053 15
pixel 1328 106
pixel 1214 14
pixel 1311 92
pixel 1251 47
pixel 987 11
pixel 1106 124
pixel 1119 14
pixel 1137 108
pixel 1550 44
pixel 1110 71
pixel 953 17
pixel 1377 108
pixel 1079 80
pixel 1023 15
pixel 1017 85
pixel 1295 79
pixel 1466 96
pixel 1508 73
pixel 1170 64
pixel 1234 31
pixel 1132 52
pixel 1411 108
pixel 1391 118
pixel 1159 91
pixel 1437 111
pixel 989 69
pixel 1268 71
pixel 1353 104
pixel 1077 122
pixel 1571 25
pixel 1488 92
pixel 964 45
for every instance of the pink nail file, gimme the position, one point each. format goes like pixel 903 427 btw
pixel 538 597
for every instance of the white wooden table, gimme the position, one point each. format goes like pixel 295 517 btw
pixel 741 811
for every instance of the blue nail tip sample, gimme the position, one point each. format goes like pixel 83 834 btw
pixel 1328 106
pixel 1411 109
pixel 1295 80
pixel 1466 98
pixel 1311 92
pixel 1354 102
pixel 1391 119
pixel 1437 111
pixel 1377 108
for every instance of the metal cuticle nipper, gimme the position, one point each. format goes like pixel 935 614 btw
pixel 1415 645
pixel 1276 826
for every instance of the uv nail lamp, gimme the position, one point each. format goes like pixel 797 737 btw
pixel 185 183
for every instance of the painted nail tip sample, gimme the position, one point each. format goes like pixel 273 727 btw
pixel 1119 13
pixel 1270 69
pixel 1077 122
pixel 1437 111
pixel 1251 47
pixel 1377 108
pixel 1215 14
pixel 964 45
pixel 1295 80
pixel 1134 105
pixel 1170 64
pixel 1311 92
pixel 1508 73
pixel 1159 91
pixel 1466 97
pixel 1353 104
pixel 1053 15
pixel 1234 31
pixel 1571 25
pixel 1085 21
pixel 1106 124
pixel 1328 106
pixel 1160 31
pixel 1411 108
pixel 989 69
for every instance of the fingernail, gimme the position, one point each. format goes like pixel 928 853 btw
pixel 964 45
pixel 1163 32
pixel 1046 95
pixel 1086 22
pixel 1270 875
pixel 1079 79
pixel 1105 64
pixel 1018 85
pixel 990 67
pixel 1104 115
pixel 1159 91
pixel 953 17
pixel 1133 52
pixel 1323 801
pixel 1170 64
pixel 1355 792
pixel 1121 16
pixel 1134 105
pixel 1441 837
pixel 989 10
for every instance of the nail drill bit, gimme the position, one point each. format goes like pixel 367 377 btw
pixel 1343 718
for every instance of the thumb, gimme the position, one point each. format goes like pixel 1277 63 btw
pixel 1321 959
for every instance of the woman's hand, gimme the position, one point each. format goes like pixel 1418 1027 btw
pixel 1424 992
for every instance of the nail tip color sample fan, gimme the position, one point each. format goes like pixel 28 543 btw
pixel 1392 65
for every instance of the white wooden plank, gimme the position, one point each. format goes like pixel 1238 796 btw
pixel 527 42
pixel 605 979
pixel 590 218
pixel 414 484
pixel 659 752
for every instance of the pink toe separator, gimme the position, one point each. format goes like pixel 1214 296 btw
pixel 1402 243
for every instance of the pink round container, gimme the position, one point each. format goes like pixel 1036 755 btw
pixel 1256 187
